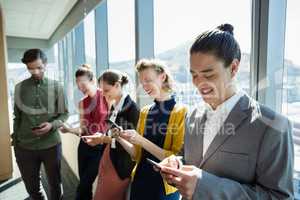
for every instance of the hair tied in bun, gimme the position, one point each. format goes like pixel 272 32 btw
pixel 124 79
pixel 226 28
pixel 86 66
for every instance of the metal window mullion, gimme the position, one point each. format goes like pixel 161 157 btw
pixel 79 45
pixel 267 56
pixel 144 38
pixel 101 36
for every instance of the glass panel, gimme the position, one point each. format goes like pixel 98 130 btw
pixel 53 66
pixel 89 40
pixel 121 38
pixel 291 80
pixel 176 26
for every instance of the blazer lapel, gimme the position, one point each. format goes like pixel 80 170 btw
pixel 194 136
pixel 200 137
pixel 238 114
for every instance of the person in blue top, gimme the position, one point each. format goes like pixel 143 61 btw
pixel 159 133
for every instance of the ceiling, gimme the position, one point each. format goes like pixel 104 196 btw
pixel 34 18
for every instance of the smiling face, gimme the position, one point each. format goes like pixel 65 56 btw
pixel 84 84
pixel 213 80
pixel 152 82
pixel 111 92
pixel 36 69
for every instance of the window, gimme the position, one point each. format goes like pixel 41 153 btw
pixel 291 91
pixel 291 78
pixel 16 73
pixel 121 38
pixel 66 63
pixel 176 26
pixel 53 66
pixel 89 40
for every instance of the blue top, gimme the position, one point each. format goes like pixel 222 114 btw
pixel 147 182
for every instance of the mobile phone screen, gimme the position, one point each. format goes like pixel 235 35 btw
pixel 112 124
pixel 154 164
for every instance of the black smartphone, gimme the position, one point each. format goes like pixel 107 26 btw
pixel 35 128
pixel 112 124
pixel 154 164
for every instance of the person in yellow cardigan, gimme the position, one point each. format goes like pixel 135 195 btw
pixel 159 134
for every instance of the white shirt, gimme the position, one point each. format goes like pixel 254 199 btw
pixel 117 108
pixel 216 118
pixel 113 117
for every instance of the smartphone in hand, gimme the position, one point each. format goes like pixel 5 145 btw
pixel 112 124
pixel 154 164
pixel 35 128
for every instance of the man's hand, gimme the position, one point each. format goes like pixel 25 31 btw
pixel 172 161
pixel 45 128
pixel 96 139
pixel 184 179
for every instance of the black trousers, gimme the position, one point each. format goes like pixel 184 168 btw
pixel 29 163
pixel 88 165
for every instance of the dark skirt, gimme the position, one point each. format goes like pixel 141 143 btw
pixel 148 185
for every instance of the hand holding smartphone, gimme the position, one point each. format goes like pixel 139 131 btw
pixel 40 129
pixel 154 164
pixel 112 124
pixel 35 128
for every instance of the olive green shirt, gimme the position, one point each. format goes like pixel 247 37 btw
pixel 35 102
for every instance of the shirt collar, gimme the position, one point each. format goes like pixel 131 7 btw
pixel 118 107
pixel 165 103
pixel 41 81
pixel 225 107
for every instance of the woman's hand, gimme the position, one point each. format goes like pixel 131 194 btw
pixel 131 136
pixel 96 139
pixel 65 128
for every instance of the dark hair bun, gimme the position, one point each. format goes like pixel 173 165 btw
pixel 124 79
pixel 226 28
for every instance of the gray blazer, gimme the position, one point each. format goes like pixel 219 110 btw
pixel 250 158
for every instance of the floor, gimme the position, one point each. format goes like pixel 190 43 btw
pixel 14 188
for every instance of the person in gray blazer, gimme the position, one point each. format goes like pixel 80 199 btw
pixel 235 148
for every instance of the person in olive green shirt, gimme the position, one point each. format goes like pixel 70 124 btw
pixel 39 109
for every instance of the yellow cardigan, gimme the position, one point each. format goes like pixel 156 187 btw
pixel 174 137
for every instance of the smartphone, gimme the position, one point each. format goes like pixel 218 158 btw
pixel 154 164
pixel 113 124
pixel 36 128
